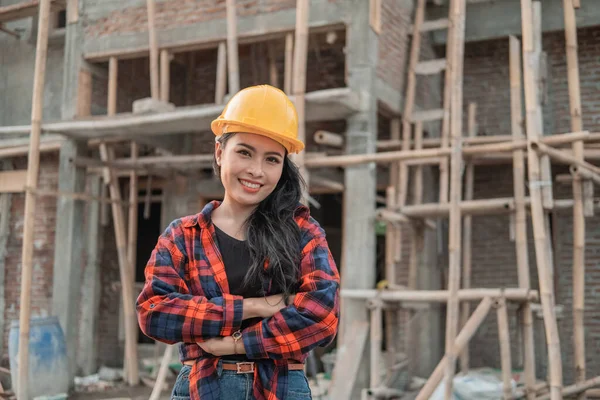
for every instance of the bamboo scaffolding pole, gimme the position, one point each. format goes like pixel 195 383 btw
pixel 154 77
pixel 221 73
pixel 131 374
pixel 390 276
pixel 273 75
pixel 461 340
pixel 165 75
pixel 375 341
pixel 447 103
pixel 583 174
pixel 328 138
pixel 536 56
pixel 395 125
pixel 441 296
pixel 564 157
pixel 418 171
pixel 504 339
pixel 537 211
pixel 467 236
pixel 457 21
pixel 299 79
pixel 578 209
pixel 288 63
pixel 384 157
pixel 74 196
pixel 576 388
pixel 521 248
pixel 33 166
pixel 232 48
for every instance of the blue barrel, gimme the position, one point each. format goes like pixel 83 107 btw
pixel 48 362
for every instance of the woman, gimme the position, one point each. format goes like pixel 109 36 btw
pixel 248 286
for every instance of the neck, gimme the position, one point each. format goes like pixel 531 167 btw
pixel 234 212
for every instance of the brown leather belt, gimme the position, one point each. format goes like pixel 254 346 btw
pixel 247 367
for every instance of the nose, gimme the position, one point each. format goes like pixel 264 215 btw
pixel 255 168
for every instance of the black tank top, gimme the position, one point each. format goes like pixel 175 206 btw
pixel 236 257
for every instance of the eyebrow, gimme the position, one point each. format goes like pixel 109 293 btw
pixel 254 149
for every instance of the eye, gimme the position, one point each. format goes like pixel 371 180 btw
pixel 273 160
pixel 244 153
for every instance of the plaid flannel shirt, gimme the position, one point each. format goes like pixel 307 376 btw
pixel 186 300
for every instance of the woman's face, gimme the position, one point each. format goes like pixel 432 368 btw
pixel 251 166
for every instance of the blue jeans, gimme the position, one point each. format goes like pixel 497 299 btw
pixel 236 386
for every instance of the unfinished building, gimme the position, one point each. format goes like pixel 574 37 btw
pixel 425 123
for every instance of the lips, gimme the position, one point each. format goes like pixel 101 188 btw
pixel 250 185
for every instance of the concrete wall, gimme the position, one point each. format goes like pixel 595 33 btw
pixel 17 58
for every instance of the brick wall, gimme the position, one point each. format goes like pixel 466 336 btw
pixel 394 42
pixel 43 244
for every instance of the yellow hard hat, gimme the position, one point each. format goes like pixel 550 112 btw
pixel 263 110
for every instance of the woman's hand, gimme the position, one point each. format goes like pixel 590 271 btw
pixel 265 307
pixel 222 346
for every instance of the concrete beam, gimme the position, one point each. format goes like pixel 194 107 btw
pixel 322 14
pixel 321 105
pixel 499 19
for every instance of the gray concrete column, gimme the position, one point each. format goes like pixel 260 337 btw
pixel 358 249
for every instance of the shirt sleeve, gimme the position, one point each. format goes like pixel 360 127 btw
pixel 166 310
pixel 312 319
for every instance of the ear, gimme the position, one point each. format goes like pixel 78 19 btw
pixel 218 152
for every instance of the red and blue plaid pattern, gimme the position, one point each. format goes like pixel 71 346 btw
pixel 186 300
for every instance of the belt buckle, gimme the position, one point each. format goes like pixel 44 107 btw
pixel 240 365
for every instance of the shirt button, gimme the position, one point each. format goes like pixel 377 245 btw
pixel 151 305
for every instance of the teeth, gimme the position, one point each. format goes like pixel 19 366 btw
pixel 250 185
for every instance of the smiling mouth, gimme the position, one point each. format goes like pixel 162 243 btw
pixel 250 185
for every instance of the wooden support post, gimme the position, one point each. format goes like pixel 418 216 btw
pixel 537 210
pixel 454 247
pixel 462 339
pixel 391 315
pixel 221 73
pixel 232 48
pixel 33 165
pixel 578 208
pixel 504 339
pixel 165 74
pixel 467 236
pixel 299 82
pixel 289 60
pixel 107 155
pixel 154 83
pixel 528 346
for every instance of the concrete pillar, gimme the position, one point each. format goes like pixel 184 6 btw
pixel 358 249
pixel 70 233
pixel 5 205
pixel 90 301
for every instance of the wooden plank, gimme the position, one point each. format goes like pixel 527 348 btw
pixel 33 165
pixel 521 247
pixel 84 93
pixel 26 9
pixel 430 67
pixel 349 361
pixel 427 115
pixel 13 181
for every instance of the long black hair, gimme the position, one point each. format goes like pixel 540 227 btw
pixel 272 233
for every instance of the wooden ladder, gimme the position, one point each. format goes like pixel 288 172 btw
pixel 410 116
